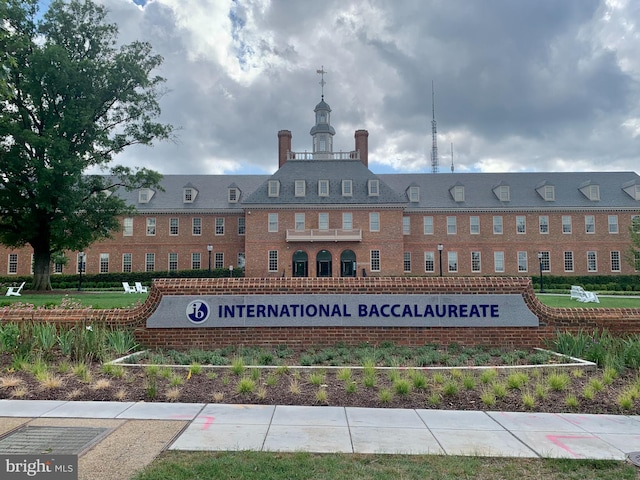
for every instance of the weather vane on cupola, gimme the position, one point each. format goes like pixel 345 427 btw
pixel 322 82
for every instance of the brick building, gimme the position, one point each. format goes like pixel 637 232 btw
pixel 324 213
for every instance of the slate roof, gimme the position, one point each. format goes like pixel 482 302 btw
pixel 434 190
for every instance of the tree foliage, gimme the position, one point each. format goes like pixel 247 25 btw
pixel 72 100
pixel 633 256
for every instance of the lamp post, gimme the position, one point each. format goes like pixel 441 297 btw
pixel 540 262
pixel 80 268
pixel 440 248
pixel 209 249
pixel 230 271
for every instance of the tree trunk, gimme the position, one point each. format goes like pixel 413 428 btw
pixel 41 269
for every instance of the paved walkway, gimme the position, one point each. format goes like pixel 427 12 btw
pixel 218 427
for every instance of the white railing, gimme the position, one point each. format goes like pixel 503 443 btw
pixel 355 155
pixel 332 235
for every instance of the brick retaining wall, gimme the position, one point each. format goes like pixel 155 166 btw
pixel 617 320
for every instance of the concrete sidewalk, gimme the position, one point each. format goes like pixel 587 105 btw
pixel 221 427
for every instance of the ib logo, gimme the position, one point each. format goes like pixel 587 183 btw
pixel 198 312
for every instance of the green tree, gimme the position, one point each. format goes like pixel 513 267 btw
pixel 633 256
pixel 73 100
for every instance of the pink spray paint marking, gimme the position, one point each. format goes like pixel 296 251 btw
pixel 555 439
pixel 208 420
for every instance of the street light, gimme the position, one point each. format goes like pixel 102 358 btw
pixel 440 248
pixel 540 261
pixel 209 249
pixel 230 271
pixel 80 268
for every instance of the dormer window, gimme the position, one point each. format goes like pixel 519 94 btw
pixel 373 187
pixel 632 189
pixel 274 188
pixel 457 193
pixel 546 191
pixel 414 194
pixel 503 193
pixel 323 188
pixel 591 191
pixel 300 188
pixel 347 188
pixel 145 195
pixel 189 194
pixel 233 194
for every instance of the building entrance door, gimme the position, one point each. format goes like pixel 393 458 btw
pixel 323 263
pixel 348 264
pixel 300 264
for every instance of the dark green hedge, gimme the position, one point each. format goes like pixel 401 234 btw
pixel 613 283
pixel 114 280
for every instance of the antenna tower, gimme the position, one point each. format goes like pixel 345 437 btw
pixel 434 134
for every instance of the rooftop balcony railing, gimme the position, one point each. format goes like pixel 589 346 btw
pixel 355 155
pixel 331 235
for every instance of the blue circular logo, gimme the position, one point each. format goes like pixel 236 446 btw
pixel 198 312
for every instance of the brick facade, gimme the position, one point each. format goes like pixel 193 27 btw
pixel 617 321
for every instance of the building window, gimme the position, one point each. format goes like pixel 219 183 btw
pixel 299 222
pixel 127 263
pixel 476 266
pixel 81 263
pixel 589 224
pixel 635 223
pixel 427 223
pixel 300 188
pixel 566 224
pixel 241 225
pixel 174 226
pixel 374 222
pixel 58 267
pixel 323 188
pixel 196 261
pixel 497 225
pixel 373 186
pixel 458 193
pixel 273 260
pixel 150 262
pixel 347 188
pixel 549 193
pixel 323 221
pixel 568 261
pixel 543 221
pixel 452 261
pixel 196 226
pixel 523 262
pixel 407 261
pixel 429 262
pixel 451 226
pixel 151 226
pixel 104 263
pixel 347 221
pixel 375 260
pixel 273 222
pixel 592 261
pixel 13 263
pixel 145 195
pixel 615 261
pixel 127 228
pixel 636 263
pixel 241 259
pixel 474 225
pixel 613 223
pixel 414 194
pixel 546 261
pixel 274 188
pixel 219 225
pixel 173 262
pixel 521 224
pixel 218 260
pixel 502 192
pixel 189 195
pixel 233 195
pixel 406 225
pixel 498 262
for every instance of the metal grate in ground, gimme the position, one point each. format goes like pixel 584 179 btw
pixel 34 440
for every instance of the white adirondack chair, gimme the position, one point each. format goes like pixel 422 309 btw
pixel 141 288
pixel 127 288
pixel 14 291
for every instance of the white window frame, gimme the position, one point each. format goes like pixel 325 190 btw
pixel 427 225
pixel 406 262
pixel 242 226
pixel 452 225
pixel 523 261
pixel 323 221
pixel 406 225
pixel 414 194
pixel 299 221
pixel 272 222
pixel 127 227
pixel 149 262
pixel 196 226
pixel 232 195
pixel 300 188
pixel 590 224
pixel 614 255
pixel 272 259
pixel 592 261
pixel 476 262
pixel 543 224
pixel 12 264
pixel 613 224
pixel 196 261
pixel 104 263
pixel 174 226
pixel 374 257
pixel 452 262
pixel 567 224
pixel 347 221
pixel 497 225
pixel 373 187
pixel 127 262
pixel 172 262
pixel 323 188
pixel 151 226
pixel 521 224
pixel 474 225
pixel 569 263
pixel 429 261
pixel 498 262
pixel 219 228
pixel 273 188
pixel 374 221
pixel 347 188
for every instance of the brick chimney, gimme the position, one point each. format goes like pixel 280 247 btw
pixel 362 145
pixel 284 146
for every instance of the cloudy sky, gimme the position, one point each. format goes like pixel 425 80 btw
pixel 535 85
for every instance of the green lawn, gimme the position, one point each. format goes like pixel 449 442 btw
pixel 106 299
pixel 560 301
pixel 307 466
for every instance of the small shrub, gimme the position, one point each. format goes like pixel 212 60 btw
pixel 450 388
pixel 351 387
pixel 246 385
pixel 317 378
pixel 558 381
pixel 571 401
pixel 468 381
pixel 528 400
pixel 488 398
pixel 172 394
pixel 488 375
pixel 238 366
pixel 517 380
pixel 385 395
pixel 402 386
pixel 434 399
pixel 500 389
pixel 322 396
